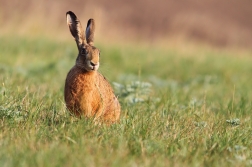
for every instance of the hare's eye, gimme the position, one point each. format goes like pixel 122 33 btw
pixel 83 51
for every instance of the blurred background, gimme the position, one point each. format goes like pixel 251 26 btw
pixel 181 69
pixel 215 23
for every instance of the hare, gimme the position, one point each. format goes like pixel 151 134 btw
pixel 87 92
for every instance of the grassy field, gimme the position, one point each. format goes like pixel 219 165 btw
pixel 189 107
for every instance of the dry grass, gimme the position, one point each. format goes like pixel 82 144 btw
pixel 218 23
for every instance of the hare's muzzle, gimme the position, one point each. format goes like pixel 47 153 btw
pixel 94 66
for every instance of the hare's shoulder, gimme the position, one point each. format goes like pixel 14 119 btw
pixel 102 80
pixel 104 85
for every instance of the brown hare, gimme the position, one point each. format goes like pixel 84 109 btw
pixel 87 92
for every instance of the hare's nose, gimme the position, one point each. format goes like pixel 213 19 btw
pixel 92 64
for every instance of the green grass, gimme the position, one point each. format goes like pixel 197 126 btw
pixel 196 113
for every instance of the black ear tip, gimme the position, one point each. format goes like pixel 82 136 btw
pixel 71 14
pixel 90 21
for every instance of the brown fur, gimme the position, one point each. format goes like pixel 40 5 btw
pixel 87 92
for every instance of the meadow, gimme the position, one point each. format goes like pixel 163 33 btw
pixel 180 106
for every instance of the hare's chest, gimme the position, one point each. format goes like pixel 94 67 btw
pixel 83 85
pixel 81 94
pixel 87 94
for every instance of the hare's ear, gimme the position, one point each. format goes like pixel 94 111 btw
pixel 90 31
pixel 75 29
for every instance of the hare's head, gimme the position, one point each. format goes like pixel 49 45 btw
pixel 88 57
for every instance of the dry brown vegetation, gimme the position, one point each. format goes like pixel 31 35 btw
pixel 219 23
